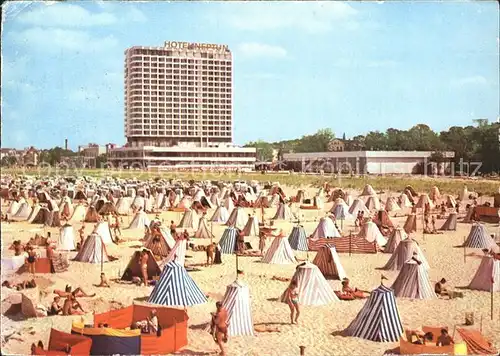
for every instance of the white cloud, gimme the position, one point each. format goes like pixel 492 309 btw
pixel 65 15
pixel 254 49
pixel 356 63
pixel 311 16
pixel 472 80
pixel 128 11
pixel 55 40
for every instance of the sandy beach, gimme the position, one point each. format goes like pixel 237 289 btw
pixel 317 327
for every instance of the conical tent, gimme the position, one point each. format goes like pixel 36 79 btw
pixel 123 206
pixel 298 239
pixel 397 235
pixel 237 219
pixel 479 238
pixel 435 194
pixel 138 203
pixel 379 318
pixel 468 217
pixel 184 203
pixel 318 202
pixel 42 216
pixel 283 212
pixel 93 250
pixel 274 200
pixel 79 214
pixel 487 275
pixel 160 245
pixel 103 230
pixel 252 227
pixel 372 203
pixel 91 216
pixel 262 202
pixel 391 205
pixel 312 286
pixel 406 250
pixel 220 215
pixel 228 241
pixel 368 190
pixel 66 238
pixel 134 269
pixel 451 223
pixel 228 204
pixel 382 219
pixel 280 252
pixel 140 220
pixel 340 209
pixel 450 202
pixel 413 282
pixel 22 213
pixel 464 194
pixel 34 213
pixel 328 262
pixel 203 231
pixel 325 229
pixel 107 208
pixel 177 253
pixel 424 200
pixel 176 288
pixel 404 201
pixel 237 303
pixel 13 208
pixel 189 220
pixel 410 224
pixel 357 206
pixel 370 232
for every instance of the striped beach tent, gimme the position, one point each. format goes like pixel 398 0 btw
pixel 283 212
pixel 340 209
pixel 397 235
pixel 410 224
pixel 228 204
pixel 451 223
pixel 344 244
pixel 177 253
pixel 487 275
pixel 228 241
pixel 379 318
pixel 237 303
pixel 424 200
pixel 298 238
pixel 325 229
pixel 357 206
pixel 371 233
pixel 176 288
pixel 413 282
pixel 102 228
pixel 312 286
pixel 93 250
pixel 66 240
pixel 220 215
pixel 280 252
pixel 252 226
pixel 140 220
pixel 237 219
pixel 328 262
pixel 479 238
pixel 91 215
pixel 404 201
pixel 468 218
pixel 189 220
pixel 160 245
pixel 203 231
pixel 406 250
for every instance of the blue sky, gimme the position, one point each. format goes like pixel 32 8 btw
pixel 298 67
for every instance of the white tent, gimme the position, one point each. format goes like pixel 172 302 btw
pixel 372 203
pixel 252 226
pixel 220 215
pixel 406 250
pixel 328 262
pixel 140 220
pixel 66 238
pixel 325 229
pixel 93 250
pixel 357 206
pixel 370 232
pixel 103 230
pixel 178 253
pixel 280 252
pixel 368 190
pixel 397 235
pixel 203 231
pixel 283 212
pixel 79 213
pixel 189 220
pixel 123 206
pixel 391 205
pixel 237 219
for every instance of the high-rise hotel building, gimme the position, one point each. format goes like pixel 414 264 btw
pixel 179 108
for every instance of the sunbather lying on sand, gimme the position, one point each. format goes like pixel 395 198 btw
pixel 349 293
pixel 78 292
pixel 71 306
pixel 19 286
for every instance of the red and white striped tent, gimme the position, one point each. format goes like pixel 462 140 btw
pixel 93 250
pixel 413 282
pixel 391 205
pixel 252 226
pixel 238 218
pixel 397 235
pixel 328 262
pixel 312 286
pixel 280 252
pixel 220 215
pixel 160 245
pixel 487 275
pixel 283 212
pixel 203 231
pixel 189 220
pixel 406 250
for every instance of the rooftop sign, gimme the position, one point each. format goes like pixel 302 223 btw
pixel 199 46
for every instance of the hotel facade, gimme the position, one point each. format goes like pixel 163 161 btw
pixel 179 109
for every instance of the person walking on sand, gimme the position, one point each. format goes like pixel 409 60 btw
pixel 31 260
pixel 81 232
pixel 219 327
pixel 292 299
pixel 262 242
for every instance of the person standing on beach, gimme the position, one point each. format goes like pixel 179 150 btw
pixel 82 234
pixel 143 260
pixel 219 327
pixel 292 299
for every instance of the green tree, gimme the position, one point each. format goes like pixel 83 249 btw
pixel 8 161
pixel 264 150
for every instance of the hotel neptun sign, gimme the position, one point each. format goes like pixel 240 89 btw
pixel 198 46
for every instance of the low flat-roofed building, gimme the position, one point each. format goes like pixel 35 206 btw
pixel 364 162
pixel 222 157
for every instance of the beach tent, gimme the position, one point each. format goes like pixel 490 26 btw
pixel 413 282
pixel 237 303
pixel 228 204
pixel 357 206
pixel 59 341
pixel 91 216
pixel 176 288
pixel 372 203
pixel 228 241
pixel 93 250
pixel 379 318
pixel 450 202
pixel 66 238
pixel 13 208
pixel 410 224
pixel 108 208
pixel 463 194
pixel 159 201
pixel 328 262
pixel 41 217
pixel 66 207
pixel 103 230
pixel 487 275
pixel 54 219
pixel 34 213
pixel 280 252
pixel 134 269
pixel 139 202
pixel 252 226
pixel 340 209
pixel 139 221
pixel 404 201
pixel 160 245
pixel 423 201
pixel 274 200
pixel 22 213
pixel 406 250
pixel 368 190
pixel 283 212
pixel 79 214
pixel 220 215
pixel 435 194
pixel 184 203
pixel 382 219
pixel 215 200
pixel 189 220
pixel 262 202
pixel 325 229
pixel 397 235
pixel 237 219
pixel 203 231
pixel 177 253
pixel 370 232
pixel 451 223
pixel 312 286
pixel 298 238
pixel 479 238
pixel 123 206
pixel 391 205
pixel 468 218
pixel 318 202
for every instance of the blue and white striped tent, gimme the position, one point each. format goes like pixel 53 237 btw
pixel 379 318
pixel 176 288
pixel 340 210
pixel 479 238
pixel 238 306
pixel 227 242
pixel 298 238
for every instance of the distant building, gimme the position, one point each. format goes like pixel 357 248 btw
pixel 90 153
pixel 336 145
pixel 364 162
pixel 30 156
